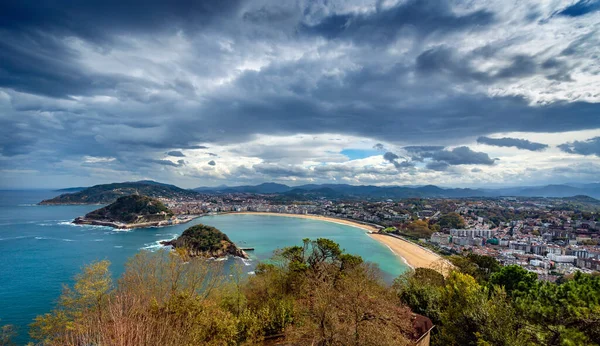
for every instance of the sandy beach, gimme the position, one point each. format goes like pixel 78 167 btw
pixel 412 254
pixel 415 255
pixel 314 217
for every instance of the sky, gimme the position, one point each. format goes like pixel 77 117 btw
pixel 459 93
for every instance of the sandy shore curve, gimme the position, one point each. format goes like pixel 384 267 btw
pixel 410 253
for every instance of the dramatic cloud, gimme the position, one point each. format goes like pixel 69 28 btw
pixel 587 147
pixel 462 156
pixel 393 158
pixel 420 152
pixel 385 24
pixel 379 147
pixel 512 142
pixel 437 165
pixel 168 163
pixel 176 153
pixel 281 90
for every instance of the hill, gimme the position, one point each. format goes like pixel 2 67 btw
pixel 129 211
pixel 108 193
pixel 206 241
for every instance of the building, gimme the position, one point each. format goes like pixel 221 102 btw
pixel 472 233
pixel 440 238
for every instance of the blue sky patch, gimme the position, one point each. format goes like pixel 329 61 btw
pixel 355 154
pixel 581 8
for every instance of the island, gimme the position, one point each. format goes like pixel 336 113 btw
pixel 207 242
pixel 132 211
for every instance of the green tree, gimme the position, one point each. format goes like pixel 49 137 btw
pixel 565 314
pixel 451 220
pixel 473 316
pixel 421 291
pixel 514 279
pixel 478 266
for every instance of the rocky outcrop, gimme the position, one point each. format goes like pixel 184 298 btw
pixel 206 241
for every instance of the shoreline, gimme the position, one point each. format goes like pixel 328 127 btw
pixel 411 254
pixel 118 225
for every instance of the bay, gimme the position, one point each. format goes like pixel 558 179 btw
pixel 40 250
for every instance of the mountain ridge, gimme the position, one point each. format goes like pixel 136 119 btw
pixel 108 193
pixel 426 191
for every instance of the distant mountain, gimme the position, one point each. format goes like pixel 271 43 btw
pixel 265 188
pixel 396 192
pixel 72 189
pixel 562 190
pixel 211 188
pixel 108 193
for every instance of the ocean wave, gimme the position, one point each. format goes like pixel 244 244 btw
pixel 155 245
pixel 246 261
pixel 98 240
pixel 69 223
pixel 13 238
pixel 118 246
pixel 41 238
pixel 119 230
pixel 68 240
pixel 251 273
pixel 28 205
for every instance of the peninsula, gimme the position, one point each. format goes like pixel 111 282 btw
pixel 132 212
pixel 108 193
pixel 205 241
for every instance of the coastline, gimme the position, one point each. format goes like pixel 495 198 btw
pixel 413 255
pixel 119 225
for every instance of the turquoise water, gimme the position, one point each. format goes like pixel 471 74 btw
pixel 40 249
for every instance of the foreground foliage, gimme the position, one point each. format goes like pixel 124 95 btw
pixel 310 294
pixel 484 304
pixel 315 294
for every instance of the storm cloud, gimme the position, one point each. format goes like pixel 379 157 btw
pixel 512 142
pixel 587 147
pixel 408 79
pixel 462 156
pixel 176 153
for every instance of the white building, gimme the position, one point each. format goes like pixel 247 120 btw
pixel 472 233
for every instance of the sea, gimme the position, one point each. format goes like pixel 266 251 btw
pixel 41 250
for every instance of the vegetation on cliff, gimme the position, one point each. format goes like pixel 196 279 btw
pixel 132 209
pixel 315 294
pixel 205 241
pixel 108 193
pixel 483 303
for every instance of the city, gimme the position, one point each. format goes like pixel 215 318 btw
pixel 549 236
